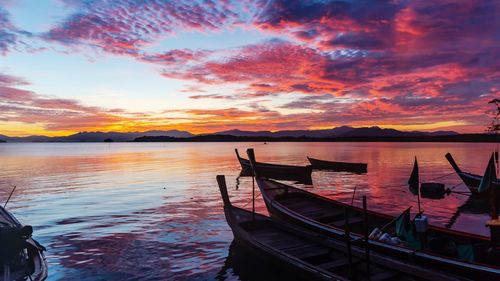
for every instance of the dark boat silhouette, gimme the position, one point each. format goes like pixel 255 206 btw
pixel 338 166
pixel 324 215
pixel 300 174
pixel 471 180
pixel 22 257
pixel 313 256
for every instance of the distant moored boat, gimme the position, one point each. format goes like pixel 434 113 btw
pixel 471 180
pixel 338 166
pixel 300 174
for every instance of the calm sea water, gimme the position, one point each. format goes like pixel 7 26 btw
pixel 152 211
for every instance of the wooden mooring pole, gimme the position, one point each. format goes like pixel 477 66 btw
pixel 367 242
pixel 347 232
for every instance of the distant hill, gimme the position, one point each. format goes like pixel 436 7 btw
pixel 380 132
pixel 338 132
pixel 98 136
pixel 441 133
pixel 343 131
pixel 325 133
pixel 388 138
pixel 25 139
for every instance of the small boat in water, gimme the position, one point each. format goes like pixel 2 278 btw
pixel 472 181
pixel 22 257
pixel 300 174
pixel 312 256
pixel 338 166
pixel 468 255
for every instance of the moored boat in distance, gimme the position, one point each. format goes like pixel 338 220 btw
pixel 300 174
pixel 313 256
pixel 471 180
pixel 22 257
pixel 338 166
pixel 464 254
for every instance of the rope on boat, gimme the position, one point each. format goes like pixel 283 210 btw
pixel 462 193
pixel 453 187
pixel 443 176
pixel 399 185
pixel 432 179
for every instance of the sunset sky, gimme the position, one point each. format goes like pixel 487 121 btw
pixel 203 66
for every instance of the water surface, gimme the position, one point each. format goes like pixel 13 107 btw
pixel 152 211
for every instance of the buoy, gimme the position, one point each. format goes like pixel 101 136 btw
pixel 421 224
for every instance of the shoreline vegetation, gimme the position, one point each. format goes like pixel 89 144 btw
pixel 336 134
pixel 470 138
pixel 228 138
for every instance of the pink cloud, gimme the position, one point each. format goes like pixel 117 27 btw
pixel 382 60
pixel 125 26
pixel 25 106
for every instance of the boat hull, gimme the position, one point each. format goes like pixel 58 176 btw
pixel 471 180
pixel 315 256
pixel 36 268
pixel 338 166
pixel 299 174
pixel 244 240
pixel 282 212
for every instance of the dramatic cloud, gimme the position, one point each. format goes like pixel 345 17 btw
pixel 125 26
pixel 7 36
pixel 332 62
pixel 438 59
pixel 66 115
pixel 176 57
pixel 19 105
pixel 267 68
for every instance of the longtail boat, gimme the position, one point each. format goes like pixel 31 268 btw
pixel 469 255
pixel 313 256
pixel 338 166
pixel 21 256
pixel 471 180
pixel 300 174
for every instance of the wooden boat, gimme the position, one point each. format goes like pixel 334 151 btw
pixel 338 166
pixel 300 174
pixel 312 256
pixel 472 181
pixel 324 215
pixel 22 257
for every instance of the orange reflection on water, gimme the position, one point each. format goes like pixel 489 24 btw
pixel 104 207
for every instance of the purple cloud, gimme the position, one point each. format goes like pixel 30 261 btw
pixel 7 36
pixel 125 26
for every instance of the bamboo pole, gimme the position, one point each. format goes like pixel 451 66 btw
pixel 367 242
pixel 347 232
